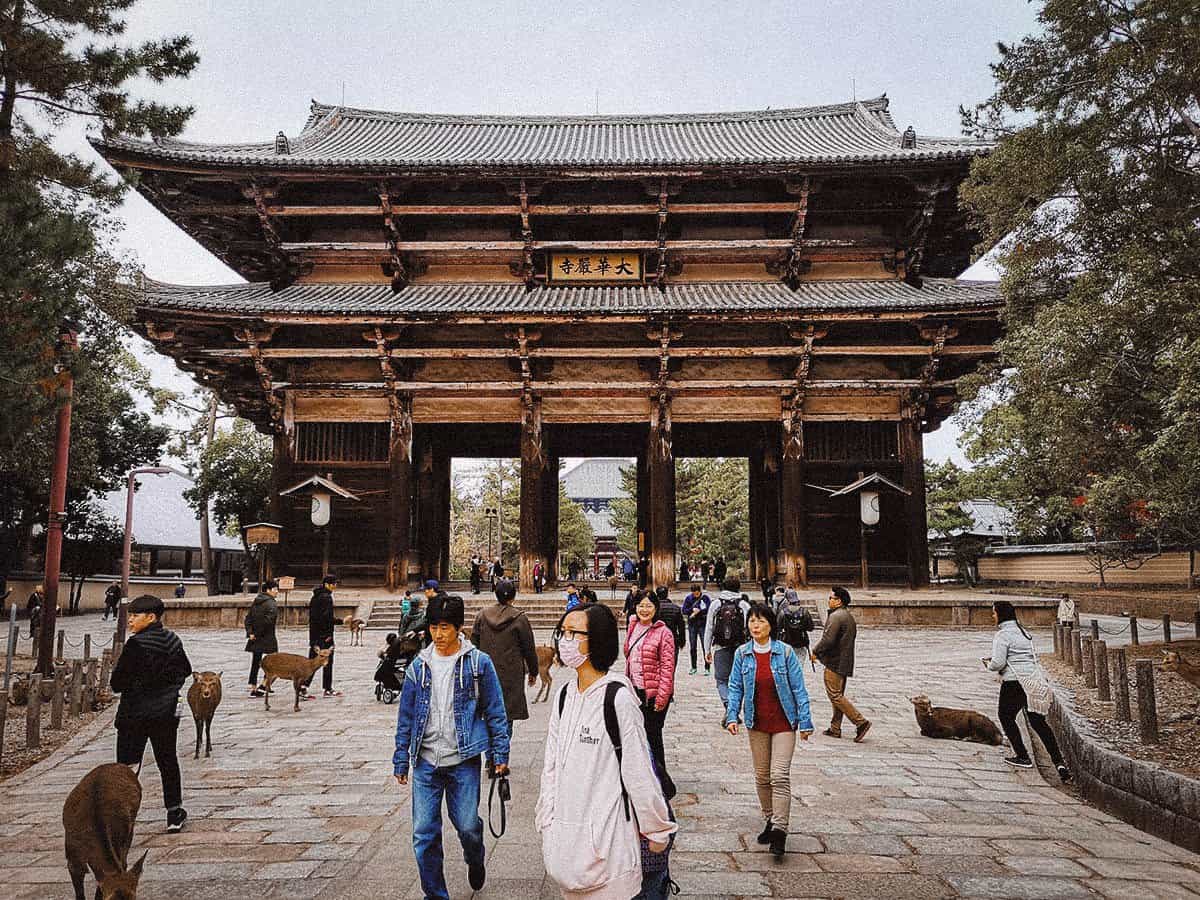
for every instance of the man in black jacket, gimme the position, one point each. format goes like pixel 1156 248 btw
pixel 670 613
pixel 320 630
pixel 149 674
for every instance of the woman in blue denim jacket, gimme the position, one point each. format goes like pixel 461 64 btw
pixel 451 713
pixel 767 679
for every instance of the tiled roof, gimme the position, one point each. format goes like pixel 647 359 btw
pixel 342 137
pixel 499 299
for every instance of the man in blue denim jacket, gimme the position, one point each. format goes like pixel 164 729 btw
pixel 451 712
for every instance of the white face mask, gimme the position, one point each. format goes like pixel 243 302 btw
pixel 569 652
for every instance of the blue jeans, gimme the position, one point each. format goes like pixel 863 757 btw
pixel 722 666
pixel 460 786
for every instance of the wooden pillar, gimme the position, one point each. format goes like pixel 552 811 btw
pixel 770 503
pixel 280 507
pixel 535 472
pixel 660 484
pixel 400 465
pixel 792 537
pixel 754 510
pixel 441 474
pixel 912 455
pixel 643 507
pixel 427 497
pixel 549 508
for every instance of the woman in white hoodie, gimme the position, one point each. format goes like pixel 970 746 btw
pixel 593 810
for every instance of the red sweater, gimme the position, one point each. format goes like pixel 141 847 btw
pixel 769 716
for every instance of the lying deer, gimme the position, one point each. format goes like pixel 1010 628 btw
pixel 545 657
pixel 204 696
pixel 98 819
pixel 1188 671
pixel 357 628
pixel 954 724
pixel 291 667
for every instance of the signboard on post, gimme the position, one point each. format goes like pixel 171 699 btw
pixel 597 267
pixel 263 533
pixel 287 583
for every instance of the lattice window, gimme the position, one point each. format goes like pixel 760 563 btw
pixel 341 442
pixel 847 441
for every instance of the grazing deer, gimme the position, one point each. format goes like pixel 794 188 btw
pixel 545 657
pixel 98 820
pixel 291 667
pixel 954 724
pixel 1188 671
pixel 204 696
pixel 357 627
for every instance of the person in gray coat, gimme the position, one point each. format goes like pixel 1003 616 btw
pixel 836 652
pixel 504 634
pixel 260 630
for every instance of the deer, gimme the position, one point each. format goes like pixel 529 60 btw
pixel 291 667
pixel 204 696
pixel 357 627
pixel 545 657
pixel 954 724
pixel 98 819
pixel 1188 671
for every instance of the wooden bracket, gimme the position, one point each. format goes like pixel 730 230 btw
pixel 793 406
pixel 254 339
pixel 394 267
pixel 283 269
pixel 938 335
pixel 917 228
pixel 796 266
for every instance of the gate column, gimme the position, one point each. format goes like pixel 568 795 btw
pixel 791 501
pixel 433 508
pixel 400 450
pixel 660 490
pixel 534 475
pixel 549 512
pixel 916 536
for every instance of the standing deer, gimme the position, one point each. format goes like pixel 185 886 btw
pixel 1188 671
pixel 204 696
pixel 292 667
pixel 98 820
pixel 545 657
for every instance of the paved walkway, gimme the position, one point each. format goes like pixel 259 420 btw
pixel 302 804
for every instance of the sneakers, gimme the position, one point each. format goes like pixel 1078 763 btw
pixel 778 842
pixel 175 820
pixel 707 670
pixel 829 732
pixel 476 875
pixel 861 731
pixel 692 672
pixel 257 692
pixel 333 693
pixel 1064 774
pixel 1021 762
pixel 765 837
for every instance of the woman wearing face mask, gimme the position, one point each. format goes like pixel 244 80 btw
pixel 593 807
pixel 767 678
pixel 650 665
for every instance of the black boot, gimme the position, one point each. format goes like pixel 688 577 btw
pixel 778 842
pixel 765 837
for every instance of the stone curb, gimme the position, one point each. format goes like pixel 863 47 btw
pixel 1147 796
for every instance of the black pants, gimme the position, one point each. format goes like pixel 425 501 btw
pixel 326 672
pixel 1012 701
pixel 131 746
pixel 255 661
pixel 655 721
pixel 696 638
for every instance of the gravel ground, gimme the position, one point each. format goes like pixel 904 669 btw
pixel 1179 741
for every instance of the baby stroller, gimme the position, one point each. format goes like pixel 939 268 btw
pixel 389 674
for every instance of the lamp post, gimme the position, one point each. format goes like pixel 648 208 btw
pixel 491 514
pixel 127 545
pixel 58 498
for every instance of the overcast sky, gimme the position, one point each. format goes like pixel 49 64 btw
pixel 261 63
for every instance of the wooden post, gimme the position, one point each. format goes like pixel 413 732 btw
pixel 1133 630
pixel 89 687
pixel 33 714
pixel 62 637
pixel 280 507
pixel 426 500
pixel 3 721
pixel 56 701
pixel 1197 624
pixel 792 534
pixel 76 687
pixel 1095 630
pixel 1166 620
pixel 757 524
pixel 534 472
pixel 1076 651
pixel 1089 662
pixel 400 464
pixel 549 510
pixel 912 455
pixel 660 472
pixel 770 507
pixel 87 646
pixel 1100 664
pixel 1121 675
pixel 102 690
pixel 1147 709
pixel 1057 641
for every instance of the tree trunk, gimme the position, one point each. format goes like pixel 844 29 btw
pixel 206 554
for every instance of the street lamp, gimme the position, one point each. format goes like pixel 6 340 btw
pixel 127 547
pixel 490 513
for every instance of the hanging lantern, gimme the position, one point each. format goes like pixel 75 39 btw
pixel 868 507
pixel 321 507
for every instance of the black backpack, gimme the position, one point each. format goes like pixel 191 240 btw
pixel 795 622
pixel 729 625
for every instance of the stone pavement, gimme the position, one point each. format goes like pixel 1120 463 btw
pixel 303 805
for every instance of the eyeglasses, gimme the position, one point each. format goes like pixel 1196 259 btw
pixel 569 633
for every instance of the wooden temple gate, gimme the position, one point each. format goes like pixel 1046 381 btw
pixel 765 285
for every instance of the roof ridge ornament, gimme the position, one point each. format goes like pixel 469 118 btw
pixel 282 147
pixel 908 140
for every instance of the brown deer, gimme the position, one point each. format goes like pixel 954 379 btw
pixel 98 820
pixel 545 657
pixel 204 696
pixel 954 724
pixel 291 667
pixel 357 628
pixel 1188 671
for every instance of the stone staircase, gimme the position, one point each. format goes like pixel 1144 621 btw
pixel 543 609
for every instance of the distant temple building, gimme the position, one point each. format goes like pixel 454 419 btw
pixel 777 285
pixel 594 484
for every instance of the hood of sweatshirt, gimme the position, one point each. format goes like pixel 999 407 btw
pixel 464 645
pixel 500 616
pixel 729 595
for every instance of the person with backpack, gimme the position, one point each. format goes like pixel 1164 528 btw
pixel 835 651
pixel 451 714
pixel 650 654
pixel 695 613
pixel 572 597
pixel 600 803
pixel 724 632
pixel 768 682
pixel 794 620
pixel 670 613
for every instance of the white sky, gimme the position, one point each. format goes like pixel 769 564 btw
pixel 262 62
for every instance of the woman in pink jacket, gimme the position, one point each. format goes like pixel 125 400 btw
pixel 650 665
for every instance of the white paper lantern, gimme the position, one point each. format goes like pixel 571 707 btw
pixel 320 509
pixel 868 507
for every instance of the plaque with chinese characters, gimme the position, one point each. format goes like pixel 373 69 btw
pixel 597 266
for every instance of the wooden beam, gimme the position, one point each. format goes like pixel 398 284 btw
pixel 255 338
pixel 553 388
pixel 395 265
pixel 796 266
pixel 284 270
pixel 480 246
pixel 505 209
